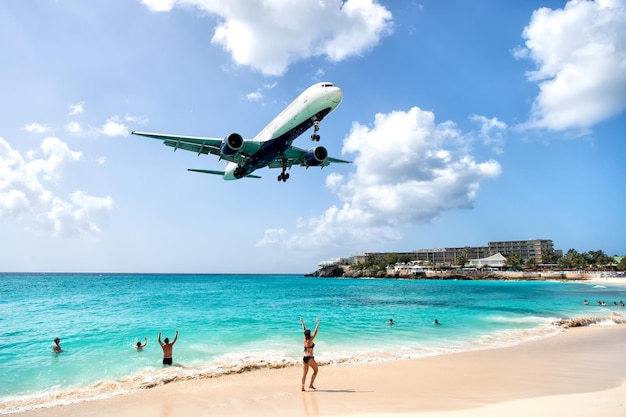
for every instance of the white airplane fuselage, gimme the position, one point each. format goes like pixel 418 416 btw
pixel 308 108
pixel 272 147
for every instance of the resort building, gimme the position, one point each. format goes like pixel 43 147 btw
pixel 526 249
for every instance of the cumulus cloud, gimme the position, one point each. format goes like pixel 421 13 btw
pixel 580 55
pixel 113 126
pixel 74 128
pixel 288 32
pixel 254 96
pixel 25 193
pixel 116 126
pixel 82 215
pixel 408 171
pixel 76 109
pixel 35 127
pixel 258 94
pixel 159 5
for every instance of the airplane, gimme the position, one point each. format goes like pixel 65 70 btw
pixel 272 146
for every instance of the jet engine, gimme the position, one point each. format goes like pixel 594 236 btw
pixel 231 144
pixel 315 156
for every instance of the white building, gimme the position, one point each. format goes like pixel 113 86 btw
pixel 410 268
pixel 493 261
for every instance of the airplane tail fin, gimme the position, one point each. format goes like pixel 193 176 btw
pixel 209 171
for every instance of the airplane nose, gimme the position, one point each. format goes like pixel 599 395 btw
pixel 336 95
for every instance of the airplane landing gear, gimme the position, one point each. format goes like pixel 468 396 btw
pixel 283 175
pixel 316 128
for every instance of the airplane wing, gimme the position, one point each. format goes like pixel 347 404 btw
pixel 201 145
pixel 297 156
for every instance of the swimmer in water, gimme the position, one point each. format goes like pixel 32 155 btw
pixel 139 346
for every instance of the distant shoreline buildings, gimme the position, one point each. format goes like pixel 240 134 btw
pixel 494 252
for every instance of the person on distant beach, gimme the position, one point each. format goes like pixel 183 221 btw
pixel 139 346
pixel 167 348
pixel 56 347
pixel 309 360
pixel 390 322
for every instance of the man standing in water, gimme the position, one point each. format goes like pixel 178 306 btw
pixel 167 348
pixel 56 347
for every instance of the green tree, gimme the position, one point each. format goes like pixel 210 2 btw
pixel 549 257
pixel 621 266
pixel 573 259
pixel 461 260
pixel 514 261
pixel 531 263
pixel 598 258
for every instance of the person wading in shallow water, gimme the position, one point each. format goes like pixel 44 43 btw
pixel 139 346
pixel 56 347
pixel 167 348
pixel 309 360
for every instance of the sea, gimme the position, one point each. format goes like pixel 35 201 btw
pixel 234 323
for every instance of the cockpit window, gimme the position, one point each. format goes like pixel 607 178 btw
pixel 327 85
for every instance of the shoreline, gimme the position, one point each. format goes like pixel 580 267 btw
pixel 570 370
pixel 342 271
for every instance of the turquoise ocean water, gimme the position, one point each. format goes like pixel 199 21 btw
pixel 231 323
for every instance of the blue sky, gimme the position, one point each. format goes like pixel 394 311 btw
pixel 467 122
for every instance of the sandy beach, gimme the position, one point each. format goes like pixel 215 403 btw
pixel 579 372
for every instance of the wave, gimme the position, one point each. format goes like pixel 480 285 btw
pixel 521 320
pixel 614 318
pixel 232 363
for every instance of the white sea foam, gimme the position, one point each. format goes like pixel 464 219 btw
pixel 234 363
pixel 521 320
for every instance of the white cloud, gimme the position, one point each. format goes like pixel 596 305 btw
pixel 74 128
pixel 159 5
pixel 114 126
pixel 258 95
pixel 82 215
pixel 491 131
pixel 580 54
pixel 408 171
pixel 76 109
pixel 26 197
pixel 270 36
pixel 35 127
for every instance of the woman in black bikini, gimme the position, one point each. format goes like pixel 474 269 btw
pixel 309 359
